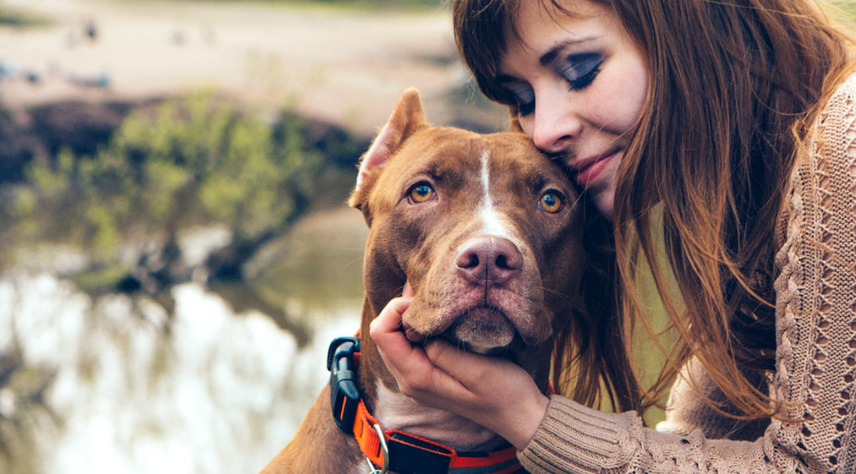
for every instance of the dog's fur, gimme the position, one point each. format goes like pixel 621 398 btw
pixel 492 271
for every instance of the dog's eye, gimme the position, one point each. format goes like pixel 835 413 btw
pixel 551 202
pixel 422 192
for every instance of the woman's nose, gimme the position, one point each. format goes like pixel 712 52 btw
pixel 555 125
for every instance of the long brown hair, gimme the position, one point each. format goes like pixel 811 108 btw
pixel 734 87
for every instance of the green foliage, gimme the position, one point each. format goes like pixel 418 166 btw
pixel 100 277
pixel 842 11
pixel 192 161
pixel 24 206
pixel 53 183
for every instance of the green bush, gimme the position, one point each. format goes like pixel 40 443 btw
pixel 197 160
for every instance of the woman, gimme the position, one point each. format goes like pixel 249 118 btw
pixel 733 120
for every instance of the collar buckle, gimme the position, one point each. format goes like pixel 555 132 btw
pixel 344 391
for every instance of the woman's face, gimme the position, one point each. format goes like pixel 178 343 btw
pixel 579 82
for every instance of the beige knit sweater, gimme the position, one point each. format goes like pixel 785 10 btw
pixel 815 360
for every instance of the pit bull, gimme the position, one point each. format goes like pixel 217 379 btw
pixel 485 230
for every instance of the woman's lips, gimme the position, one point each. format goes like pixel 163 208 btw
pixel 589 169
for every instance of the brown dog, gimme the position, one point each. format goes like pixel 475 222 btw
pixel 484 229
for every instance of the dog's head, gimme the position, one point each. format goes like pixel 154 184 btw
pixel 483 227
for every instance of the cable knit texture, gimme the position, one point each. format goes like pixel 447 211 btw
pixel 815 360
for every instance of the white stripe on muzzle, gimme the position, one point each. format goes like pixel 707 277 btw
pixel 492 221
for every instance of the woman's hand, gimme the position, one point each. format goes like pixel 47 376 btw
pixel 492 392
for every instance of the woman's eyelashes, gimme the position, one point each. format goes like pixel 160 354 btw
pixel 578 70
pixel 524 98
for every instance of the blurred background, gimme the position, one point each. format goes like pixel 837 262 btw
pixel 175 251
pixel 175 248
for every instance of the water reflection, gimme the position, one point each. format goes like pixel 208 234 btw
pixel 215 387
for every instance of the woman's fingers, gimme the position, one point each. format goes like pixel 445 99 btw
pixel 389 319
pixel 393 346
pixel 411 367
pixel 458 364
pixel 476 372
pixel 412 334
pixel 440 377
pixel 408 363
pixel 494 392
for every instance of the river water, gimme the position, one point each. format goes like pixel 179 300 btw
pixel 215 387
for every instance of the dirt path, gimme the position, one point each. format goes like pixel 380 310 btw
pixel 344 66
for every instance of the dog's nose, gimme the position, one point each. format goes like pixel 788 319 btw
pixel 489 260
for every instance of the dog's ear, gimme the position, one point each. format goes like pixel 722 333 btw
pixel 407 118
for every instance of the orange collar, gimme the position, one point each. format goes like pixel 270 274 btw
pixel 410 454
pixel 407 453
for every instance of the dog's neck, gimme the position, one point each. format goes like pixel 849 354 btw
pixel 396 411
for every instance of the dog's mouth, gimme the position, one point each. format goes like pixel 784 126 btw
pixel 484 329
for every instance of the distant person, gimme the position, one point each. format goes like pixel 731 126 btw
pixel 91 30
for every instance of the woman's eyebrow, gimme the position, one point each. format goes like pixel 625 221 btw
pixel 551 54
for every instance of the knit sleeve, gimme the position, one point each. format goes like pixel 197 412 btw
pixel 816 346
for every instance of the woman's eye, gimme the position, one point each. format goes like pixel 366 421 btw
pixel 524 99
pixel 422 192
pixel 580 69
pixel 551 202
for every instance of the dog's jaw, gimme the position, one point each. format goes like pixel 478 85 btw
pixel 395 411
